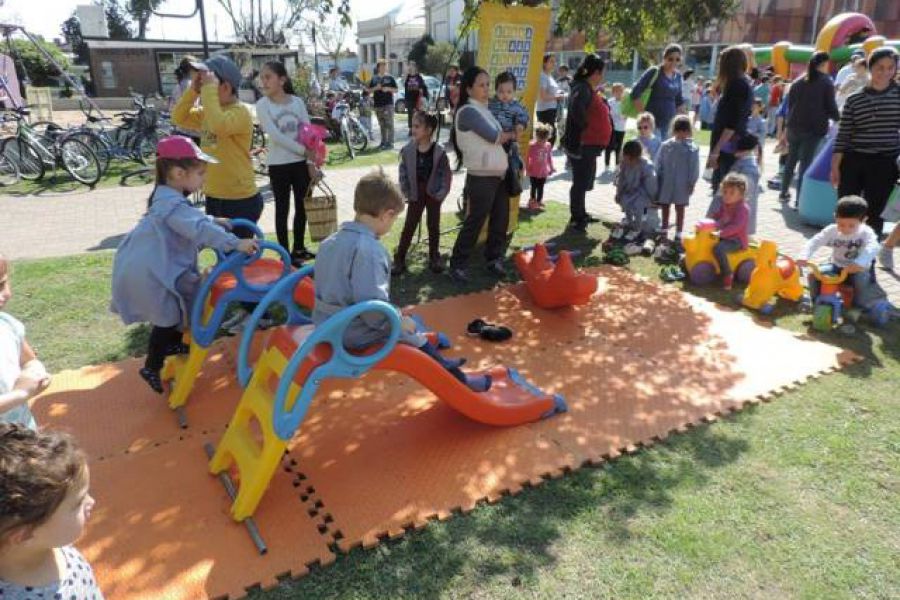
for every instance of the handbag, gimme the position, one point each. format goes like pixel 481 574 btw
pixel 320 205
pixel 627 108
pixel 512 182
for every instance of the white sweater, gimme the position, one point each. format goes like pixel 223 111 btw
pixel 281 122
pixel 858 248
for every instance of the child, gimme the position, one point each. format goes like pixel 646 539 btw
pixel 44 503
pixel 511 115
pixel 854 246
pixel 646 124
pixel 677 171
pixel 22 375
pixel 618 119
pixel 745 164
pixel 636 188
pixel 425 179
pixel 708 104
pixel 731 221
pixel 365 112
pixel 155 275
pixel 756 125
pixel 539 164
pixel 353 266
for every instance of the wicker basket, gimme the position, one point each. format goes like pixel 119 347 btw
pixel 321 210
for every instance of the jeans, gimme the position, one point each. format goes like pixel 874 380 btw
pixel 873 176
pixel 866 291
pixel 801 147
pixel 385 116
pixel 722 249
pixel 584 171
pixel 245 208
pixel 486 198
pixel 284 178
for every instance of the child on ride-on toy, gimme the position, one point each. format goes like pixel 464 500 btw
pixel 352 266
pixel 854 246
pixel 731 219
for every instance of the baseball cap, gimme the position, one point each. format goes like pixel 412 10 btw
pixel 179 146
pixel 224 69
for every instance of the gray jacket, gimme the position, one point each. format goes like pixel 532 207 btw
pixel 636 186
pixel 441 176
pixel 155 269
pixel 677 171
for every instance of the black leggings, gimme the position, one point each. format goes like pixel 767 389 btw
pixel 487 198
pixel 161 340
pixel 873 177
pixel 414 210
pixel 284 178
pixel 537 188
pixel 548 117
pixel 614 148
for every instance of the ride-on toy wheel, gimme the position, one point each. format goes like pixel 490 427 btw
pixel 822 318
pixel 744 271
pixel 703 274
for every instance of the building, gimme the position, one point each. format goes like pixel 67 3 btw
pixel 443 19
pixel 390 36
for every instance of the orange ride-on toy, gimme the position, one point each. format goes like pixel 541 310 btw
pixel 834 298
pixel 553 281
pixel 773 275
pixel 700 262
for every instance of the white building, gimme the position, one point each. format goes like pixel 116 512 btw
pixel 390 36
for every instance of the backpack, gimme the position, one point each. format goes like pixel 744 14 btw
pixel 627 107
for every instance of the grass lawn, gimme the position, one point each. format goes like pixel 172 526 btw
pixel 797 498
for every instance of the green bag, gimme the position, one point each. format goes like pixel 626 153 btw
pixel 627 106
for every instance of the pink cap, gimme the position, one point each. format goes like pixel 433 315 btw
pixel 179 146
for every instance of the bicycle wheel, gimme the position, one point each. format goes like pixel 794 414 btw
pixel 259 137
pixel 80 161
pixel 9 172
pixel 43 128
pixel 24 156
pixel 345 135
pixel 259 157
pixel 144 148
pixel 358 137
pixel 98 146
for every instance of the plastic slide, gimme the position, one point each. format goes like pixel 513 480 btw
pixel 817 196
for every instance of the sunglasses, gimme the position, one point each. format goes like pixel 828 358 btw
pixel 643 127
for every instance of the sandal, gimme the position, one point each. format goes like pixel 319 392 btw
pixel 488 331
pixel 616 257
pixel 671 274
pixel 152 378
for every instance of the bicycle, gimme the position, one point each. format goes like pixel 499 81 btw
pixel 32 152
pixel 9 172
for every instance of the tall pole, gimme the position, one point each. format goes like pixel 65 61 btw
pixel 252 24
pixel 315 52
pixel 203 29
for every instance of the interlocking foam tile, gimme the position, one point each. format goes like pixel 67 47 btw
pixel 161 529
pixel 112 410
pixel 636 364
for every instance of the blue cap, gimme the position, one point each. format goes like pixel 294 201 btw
pixel 224 69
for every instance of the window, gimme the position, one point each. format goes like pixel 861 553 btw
pixel 107 76
pixel 165 64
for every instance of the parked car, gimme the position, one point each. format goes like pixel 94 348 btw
pixel 436 94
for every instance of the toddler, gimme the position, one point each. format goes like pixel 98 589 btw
pixel 539 164
pixel 708 105
pixel 22 375
pixel 745 164
pixel 618 119
pixel 731 221
pixel 155 274
pixel 511 115
pixel 757 125
pixel 853 248
pixel 650 142
pixel 44 504
pixel 677 172
pixel 425 179
pixel 636 188
pixel 352 267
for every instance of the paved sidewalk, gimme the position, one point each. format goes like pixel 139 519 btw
pixel 76 222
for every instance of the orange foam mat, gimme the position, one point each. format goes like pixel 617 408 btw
pixel 113 411
pixel 161 529
pixel 637 363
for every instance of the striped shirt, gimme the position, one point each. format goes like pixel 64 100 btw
pixel 870 123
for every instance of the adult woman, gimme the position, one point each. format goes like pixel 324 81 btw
pixel 414 90
pixel 281 114
pixel 732 111
pixel 383 89
pixel 549 95
pixel 666 92
pixel 811 103
pixel 588 131
pixel 478 140
pixel 868 140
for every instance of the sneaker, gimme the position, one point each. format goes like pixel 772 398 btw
pixel 152 378
pixel 886 258
pixel 237 318
pixel 458 275
pixel 727 282
pixel 534 205
pixel 495 267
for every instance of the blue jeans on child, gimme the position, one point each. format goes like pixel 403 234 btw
pixel 722 249
pixel 866 291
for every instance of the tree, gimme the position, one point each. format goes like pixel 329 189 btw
pixel 38 70
pixel 141 11
pixel 331 35
pixel 437 58
pixel 71 30
pixel 117 21
pixel 255 26
pixel 419 49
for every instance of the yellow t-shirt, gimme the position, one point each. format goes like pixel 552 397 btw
pixel 225 133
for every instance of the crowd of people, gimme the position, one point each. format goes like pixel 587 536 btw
pixel 45 482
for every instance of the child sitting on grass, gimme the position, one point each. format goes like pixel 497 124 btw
pixel 677 171
pixel 155 275
pixel 425 179
pixel 636 189
pixel 539 164
pixel 853 248
pixel 731 221
pixel 646 124
pixel 22 375
pixel 44 503
pixel 352 267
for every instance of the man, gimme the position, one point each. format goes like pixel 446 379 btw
pixel 336 83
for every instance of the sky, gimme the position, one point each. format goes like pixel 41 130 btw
pixel 46 16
